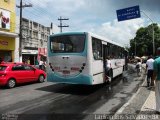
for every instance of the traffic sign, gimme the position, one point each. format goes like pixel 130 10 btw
pixel 128 13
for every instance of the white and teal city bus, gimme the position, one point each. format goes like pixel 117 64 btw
pixel 80 58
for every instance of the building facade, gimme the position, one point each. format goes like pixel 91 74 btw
pixel 34 40
pixel 7 30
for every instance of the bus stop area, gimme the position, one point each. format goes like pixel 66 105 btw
pixel 141 106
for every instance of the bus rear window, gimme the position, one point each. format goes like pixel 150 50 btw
pixel 67 44
pixel 2 68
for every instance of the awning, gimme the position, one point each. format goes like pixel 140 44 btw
pixel 42 51
pixel 8 34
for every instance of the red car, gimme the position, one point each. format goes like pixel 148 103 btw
pixel 12 74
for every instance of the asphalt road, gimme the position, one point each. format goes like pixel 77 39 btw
pixel 42 101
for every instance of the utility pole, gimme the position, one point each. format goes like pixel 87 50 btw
pixel 135 48
pixel 20 26
pixel 61 26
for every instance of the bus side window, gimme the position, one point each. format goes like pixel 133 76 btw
pixel 97 49
pixel 96 55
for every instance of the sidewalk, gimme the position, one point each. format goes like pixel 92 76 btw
pixel 149 104
pixel 142 104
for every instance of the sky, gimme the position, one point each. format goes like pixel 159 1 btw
pixel 96 16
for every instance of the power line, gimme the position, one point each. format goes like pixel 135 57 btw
pixel 38 12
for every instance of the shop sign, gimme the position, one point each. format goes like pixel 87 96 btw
pixel 4 43
pixel 29 51
pixel 42 51
pixel 4 19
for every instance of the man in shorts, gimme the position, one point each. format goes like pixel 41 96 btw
pixel 156 66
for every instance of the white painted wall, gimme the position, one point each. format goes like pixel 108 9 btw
pixel 16 51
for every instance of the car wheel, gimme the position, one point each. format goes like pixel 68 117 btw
pixel 11 83
pixel 41 78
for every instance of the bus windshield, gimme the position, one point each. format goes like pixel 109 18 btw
pixel 67 43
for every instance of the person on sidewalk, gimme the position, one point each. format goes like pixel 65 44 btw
pixel 41 64
pixel 108 68
pixel 149 68
pixel 156 75
pixel 139 67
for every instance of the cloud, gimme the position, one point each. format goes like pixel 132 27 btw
pixel 61 7
pixel 40 3
pixel 120 32
pixel 98 16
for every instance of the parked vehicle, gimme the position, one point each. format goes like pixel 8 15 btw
pixel 12 74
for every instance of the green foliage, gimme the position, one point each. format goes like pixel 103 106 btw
pixel 143 41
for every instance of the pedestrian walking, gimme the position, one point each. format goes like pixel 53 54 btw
pixel 156 75
pixel 44 65
pixel 41 64
pixel 139 67
pixel 149 68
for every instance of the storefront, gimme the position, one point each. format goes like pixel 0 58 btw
pixel 7 31
pixel 7 46
pixel 29 56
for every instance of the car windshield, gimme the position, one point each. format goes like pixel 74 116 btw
pixel 67 43
pixel 2 68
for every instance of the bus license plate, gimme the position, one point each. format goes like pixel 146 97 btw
pixel 66 72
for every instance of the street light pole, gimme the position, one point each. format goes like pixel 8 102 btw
pixel 20 31
pixel 135 47
pixel 152 31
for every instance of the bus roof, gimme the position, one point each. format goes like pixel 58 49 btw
pixel 90 33
pixel 105 39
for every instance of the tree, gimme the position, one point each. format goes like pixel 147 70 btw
pixel 142 43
